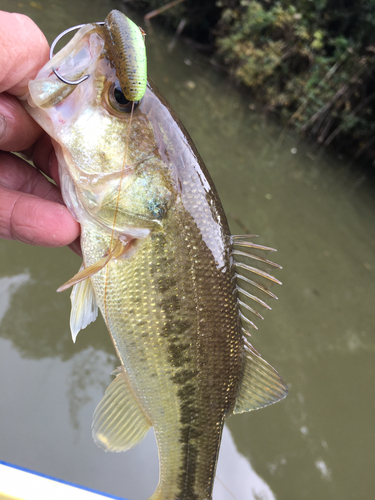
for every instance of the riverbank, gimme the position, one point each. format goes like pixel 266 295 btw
pixel 312 63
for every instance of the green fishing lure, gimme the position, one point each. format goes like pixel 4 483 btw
pixel 127 52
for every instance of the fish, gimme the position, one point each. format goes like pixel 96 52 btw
pixel 178 292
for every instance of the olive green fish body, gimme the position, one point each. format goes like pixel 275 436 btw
pixel 168 349
pixel 178 319
pixel 176 290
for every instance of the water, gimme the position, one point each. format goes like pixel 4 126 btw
pixel 316 209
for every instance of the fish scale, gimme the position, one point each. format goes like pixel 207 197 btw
pixel 178 352
pixel 177 291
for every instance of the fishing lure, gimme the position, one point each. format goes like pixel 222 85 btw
pixel 126 51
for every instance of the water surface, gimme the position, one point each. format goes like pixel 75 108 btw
pixel 316 209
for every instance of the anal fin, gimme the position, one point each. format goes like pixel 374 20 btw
pixel 119 423
pixel 261 384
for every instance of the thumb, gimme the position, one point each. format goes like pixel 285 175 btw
pixel 24 50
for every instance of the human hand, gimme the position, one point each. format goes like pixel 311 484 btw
pixel 31 207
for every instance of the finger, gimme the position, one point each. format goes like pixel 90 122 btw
pixel 35 221
pixel 24 50
pixel 18 130
pixel 42 154
pixel 44 157
pixel 31 208
pixel 18 175
pixel 54 167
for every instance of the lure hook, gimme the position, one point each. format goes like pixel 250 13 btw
pixel 69 82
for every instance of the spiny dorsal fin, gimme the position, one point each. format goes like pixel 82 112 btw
pixel 84 308
pixel 119 422
pixel 261 384
pixel 253 277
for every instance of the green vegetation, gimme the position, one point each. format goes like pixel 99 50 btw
pixel 311 61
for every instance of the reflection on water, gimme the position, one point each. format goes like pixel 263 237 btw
pixel 47 419
pixel 235 478
pixel 86 373
pixel 8 287
pixel 320 215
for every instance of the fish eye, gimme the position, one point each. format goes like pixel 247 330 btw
pixel 118 101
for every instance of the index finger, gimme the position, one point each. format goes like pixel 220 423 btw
pixel 24 50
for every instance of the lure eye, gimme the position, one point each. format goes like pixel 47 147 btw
pixel 118 101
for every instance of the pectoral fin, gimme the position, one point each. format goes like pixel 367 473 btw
pixel 119 423
pixel 84 308
pixel 87 272
pixel 261 384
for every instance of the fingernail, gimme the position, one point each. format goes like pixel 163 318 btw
pixel 3 126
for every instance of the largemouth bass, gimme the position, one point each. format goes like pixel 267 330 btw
pixel 177 291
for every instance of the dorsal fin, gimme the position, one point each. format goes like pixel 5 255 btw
pixel 261 384
pixel 253 277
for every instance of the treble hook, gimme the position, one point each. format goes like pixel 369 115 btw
pixel 69 82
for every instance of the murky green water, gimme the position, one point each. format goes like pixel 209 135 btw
pixel 318 212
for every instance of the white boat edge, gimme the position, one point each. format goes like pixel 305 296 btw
pixel 18 483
